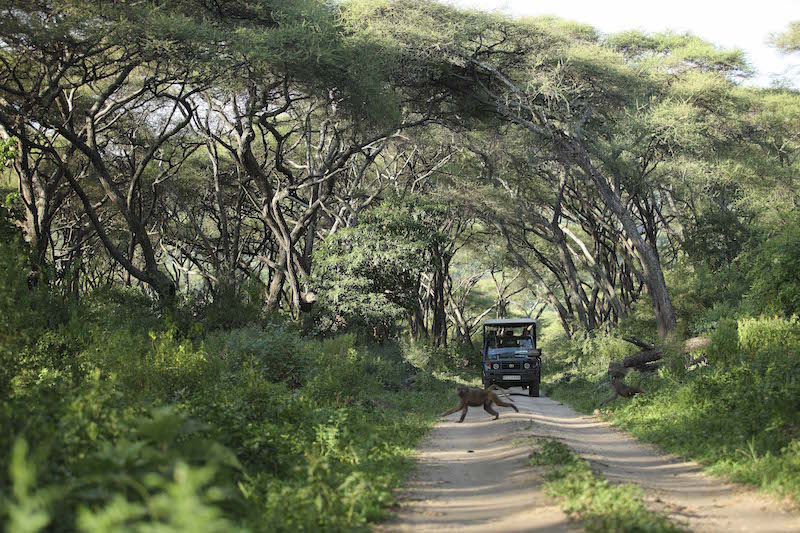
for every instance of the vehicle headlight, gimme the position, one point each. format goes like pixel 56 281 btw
pixel 495 366
pixel 527 365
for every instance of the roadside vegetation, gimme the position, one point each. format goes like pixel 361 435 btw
pixel 737 410
pixel 118 416
pixel 584 495
pixel 244 246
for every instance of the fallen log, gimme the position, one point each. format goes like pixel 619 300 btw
pixel 649 367
pixel 639 342
pixel 642 358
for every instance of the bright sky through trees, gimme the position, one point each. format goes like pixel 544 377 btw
pixel 729 24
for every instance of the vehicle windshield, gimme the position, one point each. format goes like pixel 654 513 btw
pixel 508 342
pixel 506 353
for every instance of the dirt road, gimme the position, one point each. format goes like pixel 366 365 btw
pixel 472 477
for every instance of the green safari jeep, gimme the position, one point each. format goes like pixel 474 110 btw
pixel 509 355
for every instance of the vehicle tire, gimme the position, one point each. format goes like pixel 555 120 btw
pixel 533 390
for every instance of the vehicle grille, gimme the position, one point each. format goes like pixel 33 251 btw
pixel 511 366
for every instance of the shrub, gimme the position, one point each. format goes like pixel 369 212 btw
pixel 708 320
pixel 775 274
pixel 454 358
pixel 769 335
pixel 342 373
pixel 337 375
pixel 229 306
pixel 591 352
pixel 640 322
pixel 274 349
pixel 142 418
pixel 724 348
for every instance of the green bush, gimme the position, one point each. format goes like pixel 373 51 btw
pixel 777 336
pixel 131 415
pixel 640 322
pixel 454 358
pixel 590 352
pixel 775 274
pixel 724 347
pixel 26 508
pixel 119 415
pixel 338 373
pixel 229 306
pixel 740 414
pixel 710 317
pixel 274 348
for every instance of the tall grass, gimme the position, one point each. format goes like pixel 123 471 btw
pixel 740 415
pixel 117 419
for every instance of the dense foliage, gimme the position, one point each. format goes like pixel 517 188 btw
pixel 739 414
pixel 210 209
pixel 125 420
pixel 204 151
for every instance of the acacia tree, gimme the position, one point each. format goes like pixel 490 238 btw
pixel 585 100
pixel 787 41
pixel 519 104
pixel 369 275
pixel 108 93
pixel 85 86
pixel 293 147
pixel 228 140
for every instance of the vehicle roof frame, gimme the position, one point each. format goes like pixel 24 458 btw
pixel 512 322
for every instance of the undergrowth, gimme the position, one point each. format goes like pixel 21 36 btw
pixel 739 414
pixel 598 504
pixel 117 419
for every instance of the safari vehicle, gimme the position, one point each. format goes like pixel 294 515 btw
pixel 510 357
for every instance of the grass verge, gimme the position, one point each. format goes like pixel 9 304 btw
pixel 739 415
pixel 599 505
pixel 115 420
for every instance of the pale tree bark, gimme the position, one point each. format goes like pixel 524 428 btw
pixel 651 267
pixel 576 294
pixel 515 105
pixel 564 315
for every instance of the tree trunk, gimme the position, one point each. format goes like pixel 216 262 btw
pixel 462 327
pixel 651 268
pixel 563 314
pixel 416 324
pixel 439 326
pixel 642 358
pixel 573 282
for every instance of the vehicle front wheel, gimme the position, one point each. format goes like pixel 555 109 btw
pixel 533 390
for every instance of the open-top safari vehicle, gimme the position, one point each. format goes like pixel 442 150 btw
pixel 509 355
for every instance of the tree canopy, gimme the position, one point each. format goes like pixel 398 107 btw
pixel 198 147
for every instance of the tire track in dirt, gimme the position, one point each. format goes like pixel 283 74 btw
pixel 473 477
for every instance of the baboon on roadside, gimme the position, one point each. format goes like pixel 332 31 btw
pixel 621 389
pixel 473 397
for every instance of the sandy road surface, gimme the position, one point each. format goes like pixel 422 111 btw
pixel 472 477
